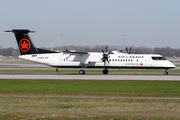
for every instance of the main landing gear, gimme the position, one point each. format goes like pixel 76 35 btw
pixel 166 72
pixel 82 71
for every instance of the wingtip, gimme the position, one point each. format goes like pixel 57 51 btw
pixel 8 31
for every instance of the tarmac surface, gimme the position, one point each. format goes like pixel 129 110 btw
pixel 90 77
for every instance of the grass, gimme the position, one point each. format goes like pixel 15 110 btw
pixel 90 71
pixel 15 103
pixel 87 109
pixel 91 88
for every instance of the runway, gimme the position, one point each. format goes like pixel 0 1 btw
pixel 90 77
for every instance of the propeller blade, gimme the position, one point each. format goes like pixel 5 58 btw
pixel 105 56
pixel 103 51
pixel 105 62
pixel 126 49
pixel 106 47
pixel 108 61
pixel 130 49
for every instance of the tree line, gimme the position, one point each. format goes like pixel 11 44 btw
pixel 165 51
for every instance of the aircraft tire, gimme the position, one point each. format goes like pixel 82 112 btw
pixel 105 71
pixel 81 72
pixel 166 73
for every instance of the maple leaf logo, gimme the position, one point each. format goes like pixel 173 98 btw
pixel 24 45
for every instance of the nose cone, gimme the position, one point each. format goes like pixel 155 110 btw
pixel 171 65
pixel 168 65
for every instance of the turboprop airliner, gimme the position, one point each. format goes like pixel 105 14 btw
pixel 73 59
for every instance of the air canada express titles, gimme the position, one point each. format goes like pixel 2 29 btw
pixel 130 56
pixel 132 64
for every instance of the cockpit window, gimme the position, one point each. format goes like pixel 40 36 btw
pixel 158 58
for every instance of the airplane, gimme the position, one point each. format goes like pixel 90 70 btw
pixel 73 59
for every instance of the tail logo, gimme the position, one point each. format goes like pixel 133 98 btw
pixel 24 45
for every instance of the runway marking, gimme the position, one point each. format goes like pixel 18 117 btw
pixel 164 98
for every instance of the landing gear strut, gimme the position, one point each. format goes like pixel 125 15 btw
pixel 82 71
pixel 166 72
pixel 105 71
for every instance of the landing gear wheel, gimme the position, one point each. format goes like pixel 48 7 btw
pixel 105 71
pixel 81 72
pixel 166 73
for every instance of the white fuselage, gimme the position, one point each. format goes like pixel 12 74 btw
pixel 93 60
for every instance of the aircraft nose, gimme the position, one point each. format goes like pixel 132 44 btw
pixel 172 65
pixel 169 65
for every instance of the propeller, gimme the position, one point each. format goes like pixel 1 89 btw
pixel 105 56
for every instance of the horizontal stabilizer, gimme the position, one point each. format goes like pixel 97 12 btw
pixel 19 31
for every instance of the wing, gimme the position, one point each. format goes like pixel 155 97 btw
pixel 72 52
pixel 84 57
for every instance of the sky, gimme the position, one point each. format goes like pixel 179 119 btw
pixel 151 23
